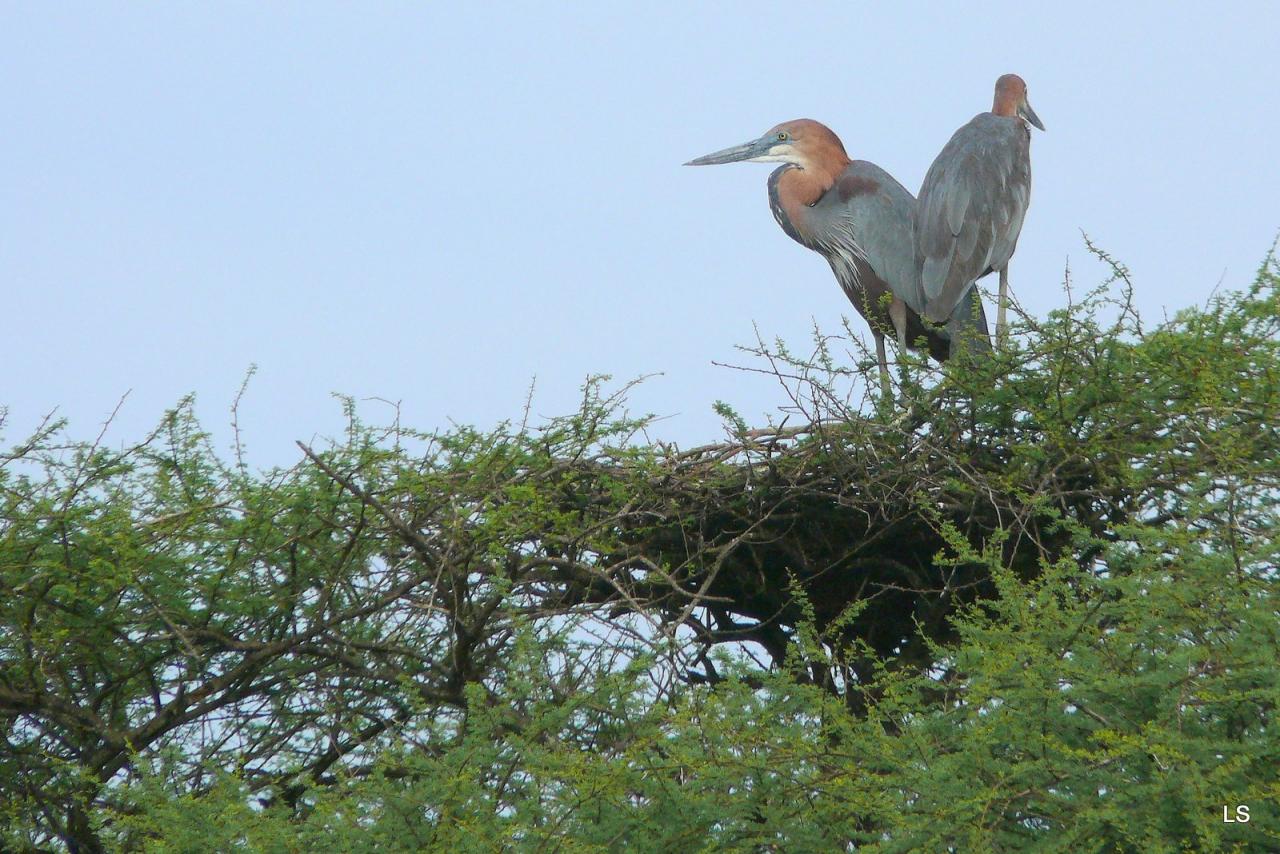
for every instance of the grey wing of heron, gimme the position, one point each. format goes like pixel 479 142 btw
pixel 869 221
pixel 970 210
pixel 876 215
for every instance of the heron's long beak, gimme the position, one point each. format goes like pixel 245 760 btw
pixel 1030 115
pixel 746 151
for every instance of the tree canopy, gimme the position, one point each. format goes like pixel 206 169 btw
pixel 1028 604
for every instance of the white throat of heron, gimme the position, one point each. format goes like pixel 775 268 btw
pixel 784 153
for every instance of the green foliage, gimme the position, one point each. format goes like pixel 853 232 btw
pixel 1031 607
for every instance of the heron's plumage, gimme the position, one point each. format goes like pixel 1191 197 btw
pixel 862 225
pixel 861 220
pixel 972 204
pixel 971 208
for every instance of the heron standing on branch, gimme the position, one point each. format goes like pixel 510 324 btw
pixel 972 204
pixel 859 218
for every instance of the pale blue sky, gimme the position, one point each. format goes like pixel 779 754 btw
pixel 434 202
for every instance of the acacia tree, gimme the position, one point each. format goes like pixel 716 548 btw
pixel 1029 603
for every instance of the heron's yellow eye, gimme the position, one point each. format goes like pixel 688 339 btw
pixel 782 136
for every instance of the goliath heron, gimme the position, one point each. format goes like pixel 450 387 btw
pixel 972 203
pixel 859 218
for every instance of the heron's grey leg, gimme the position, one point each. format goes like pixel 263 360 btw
pixel 884 366
pixel 898 314
pixel 1004 299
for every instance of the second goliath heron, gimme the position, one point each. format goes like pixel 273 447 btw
pixel 859 218
pixel 972 204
